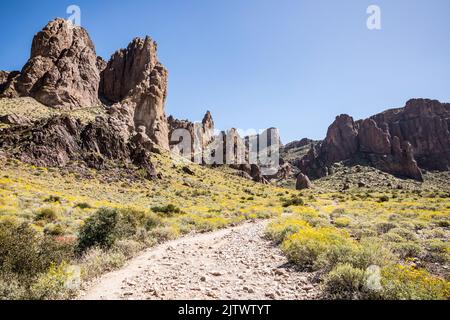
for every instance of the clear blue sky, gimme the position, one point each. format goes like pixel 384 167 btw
pixel 291 64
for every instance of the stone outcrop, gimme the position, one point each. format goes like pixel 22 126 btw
pixel 297 144
pixel 397 141
pixel 303 182
pixel 62 70
pixel 62 139
pixel 200 135
pixel 138 82
pixel 7 84
pixel 4 75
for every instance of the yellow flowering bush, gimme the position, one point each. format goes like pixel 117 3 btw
pixel 304 247
pixel 407 283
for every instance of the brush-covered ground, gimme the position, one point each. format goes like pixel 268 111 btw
pixel 368 235
pixel 54 222
pixel 358 242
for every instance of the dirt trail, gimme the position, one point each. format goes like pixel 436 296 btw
pixel 235 263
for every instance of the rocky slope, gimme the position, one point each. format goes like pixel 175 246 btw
pixel 399 141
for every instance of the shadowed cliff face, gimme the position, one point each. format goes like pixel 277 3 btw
pixel 398 141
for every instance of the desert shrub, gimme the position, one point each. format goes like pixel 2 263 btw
pixel 99 230
pixel 83 205
pixel 47 214
pixel 392 237
pixel 335 255
pixel 128 222
pixel 345 282
pixel 342 222
pixel 280 229
pixel 55 284
pixel 129 248
pixel 362 255
pixel 407 283
pixel 304 247
pixel 25 253
pixel 372 252
pixel 54 229
pixel 384 227
pixel 438 251
pixel 152 220
pixel 363 232
pixel 406 249
pixel 11 289
pixel 293 201
pixel 53 199
pixel 96 261
pixel 404 233
pixel 164 233
pixel 383 199
pixel 169 209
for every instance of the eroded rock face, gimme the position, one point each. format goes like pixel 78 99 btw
pixel 341 141
pixel 62 71
pixel 7 84
pixel 137 81
pixel 3 77
pixel 398 141
pixel 200 135
pixel 59 140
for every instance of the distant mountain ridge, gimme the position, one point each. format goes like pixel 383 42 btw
pixel 398 141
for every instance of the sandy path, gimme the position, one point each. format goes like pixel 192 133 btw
pixel 235 263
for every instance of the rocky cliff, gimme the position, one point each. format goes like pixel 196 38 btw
pixel 399 141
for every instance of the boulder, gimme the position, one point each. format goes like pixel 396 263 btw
pixel 303 182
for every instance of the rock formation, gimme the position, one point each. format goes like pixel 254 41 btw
pixel 397 141
pixel 62 139
pixel 303 182
pixel 62 70
pixel 200 135
pixel 138 82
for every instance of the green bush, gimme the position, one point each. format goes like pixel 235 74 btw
pixel 384 227
pixel 26 253
pixel 362 255
pixel 438 251
pixel 99 230
pixel 345 282
pixel 83 205
pixel 47 214
pixel 294 201
pixel 169 209
pixel 96 261
pixel 406 249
